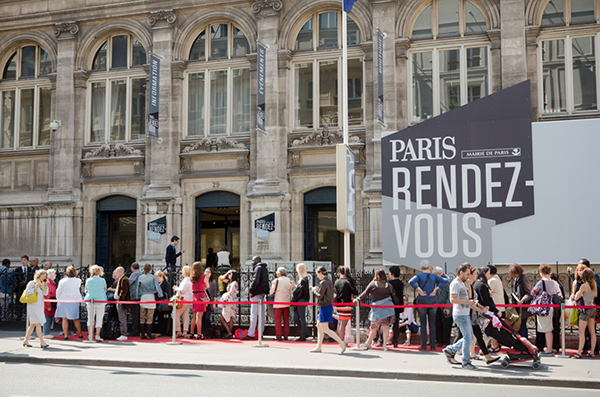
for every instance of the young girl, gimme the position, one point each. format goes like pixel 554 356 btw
pixel 324 295
pixel 588 291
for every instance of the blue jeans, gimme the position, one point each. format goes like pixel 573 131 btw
pixel 466 329
pixel 427 316
pixel 47 325
pixel 254 315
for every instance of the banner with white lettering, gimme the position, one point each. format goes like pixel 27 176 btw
pixel 263 226
pixel 153 97
pixel 449 180
pixel 260 96
pixel 156 228
pixel 345 189
pixel 380 76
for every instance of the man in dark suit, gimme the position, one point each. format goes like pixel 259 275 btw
pixel 171 258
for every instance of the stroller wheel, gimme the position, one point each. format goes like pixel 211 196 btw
pixel 504 363
pixel 536 365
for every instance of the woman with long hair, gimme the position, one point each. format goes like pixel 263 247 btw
pixel 481 293
pixel 301 294
pixel 382 294
pixel 35 310
pixel 324 295
pixel 231 278
pixel 345 290
pixel 588 291
pixel 212 293
pixel 199 287
pixel 69 288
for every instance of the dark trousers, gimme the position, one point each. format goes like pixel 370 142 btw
pixel 134 313
pixel 427 316
pixel 443 326
pixel 206 324
pixel 300 319
pixel 172 271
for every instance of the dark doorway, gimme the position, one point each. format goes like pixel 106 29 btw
pixel 322 240
pixel 116 232
pixel 218 222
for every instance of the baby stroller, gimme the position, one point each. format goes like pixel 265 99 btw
pixel 507 336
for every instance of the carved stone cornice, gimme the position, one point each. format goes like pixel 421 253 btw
pixel 162 15
pixel 214 145
pixel 71 27
pixel 367 48
pixel 177 69
pixel 324 137
pixel 258 5
pixel 80 78
pixel 113 150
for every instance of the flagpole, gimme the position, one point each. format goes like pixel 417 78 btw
pixel 345 114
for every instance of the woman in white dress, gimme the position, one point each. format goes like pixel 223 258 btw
pixel 35 310
pixel 69 288
pixel 228 311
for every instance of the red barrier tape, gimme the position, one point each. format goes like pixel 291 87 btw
pixel 302 304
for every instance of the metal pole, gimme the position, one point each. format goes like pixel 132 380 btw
pixel 260 325
pixel 357 315
pixel 562 330
pixel 175 319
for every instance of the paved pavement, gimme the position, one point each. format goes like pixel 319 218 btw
pixel 294 358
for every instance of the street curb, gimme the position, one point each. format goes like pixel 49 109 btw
pixel 545 382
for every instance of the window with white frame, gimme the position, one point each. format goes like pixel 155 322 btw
pixel 218 82
pixel 317 68
pixel 446 74
pixel 26 99
pixel 570 76
pixel 117 91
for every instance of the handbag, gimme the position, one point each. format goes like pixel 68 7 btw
pixel 513 318
pixel 179 299
pixel 297 292
pixel 271 298
pixel 542 299
pixel 29 298
pixel 580 302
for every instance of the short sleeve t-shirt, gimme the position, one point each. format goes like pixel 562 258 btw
pixel 460 289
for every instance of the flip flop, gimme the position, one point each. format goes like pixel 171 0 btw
pixel 576 356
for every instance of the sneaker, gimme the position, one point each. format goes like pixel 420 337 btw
pixel 344 344
pixel 315 350
pixel 547 353
pixel 384 348
pixel 122 338
pixel 450 357
pixel 98 339
pixel 470 366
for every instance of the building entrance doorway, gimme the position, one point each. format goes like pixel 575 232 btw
pixel 116 232
pixel 322 241
pixel 218 223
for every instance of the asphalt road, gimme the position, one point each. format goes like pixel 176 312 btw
pixel 40 380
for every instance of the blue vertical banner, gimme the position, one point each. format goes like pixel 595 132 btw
pixel 380 76
pixel 260 94
pixel 348 5
pixel 153 100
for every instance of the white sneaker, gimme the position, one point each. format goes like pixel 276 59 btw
pixel 122 337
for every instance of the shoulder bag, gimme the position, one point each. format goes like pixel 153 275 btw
pixel 424 284
pixel 29 298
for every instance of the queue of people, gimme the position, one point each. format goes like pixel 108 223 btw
pixel 484 295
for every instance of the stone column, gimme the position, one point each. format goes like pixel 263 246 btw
pixel 532 69
pixel 268 191
pixel 65 146
pixel 514 69
pixel 161 193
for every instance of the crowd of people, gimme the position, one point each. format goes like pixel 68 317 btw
pixel 473 293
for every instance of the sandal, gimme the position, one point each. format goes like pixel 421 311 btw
pixel 576 356
pixel 201 337
pixel 495 349
pixel 178 335
pixel 590 355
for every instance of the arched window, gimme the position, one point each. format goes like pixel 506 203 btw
pixel 317 69
pixel 568 12
pixel 570 80
pixel 446 74
pixel 218 82
pixel 26 99
pixel 117 91
pixel 449 18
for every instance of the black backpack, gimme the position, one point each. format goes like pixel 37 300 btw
pixel 111 329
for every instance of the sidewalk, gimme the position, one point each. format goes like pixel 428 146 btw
pixel 294 358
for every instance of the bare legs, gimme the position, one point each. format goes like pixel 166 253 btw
pixel 65 327
pixel 582 327
pixel 322 330
pixel 228 325
pixel 341 328
pixel 38 331
pixel 197 322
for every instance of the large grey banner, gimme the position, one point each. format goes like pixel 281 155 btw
pixel 449 180
pixel 153 97
pixel 260 96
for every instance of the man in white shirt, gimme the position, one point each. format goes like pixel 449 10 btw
pixel 459 297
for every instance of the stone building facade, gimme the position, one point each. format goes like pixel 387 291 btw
pixel 80 179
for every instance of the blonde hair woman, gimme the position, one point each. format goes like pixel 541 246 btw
pixel 184 290
pixel 96 291
pixel 35 310
pixel 301 293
